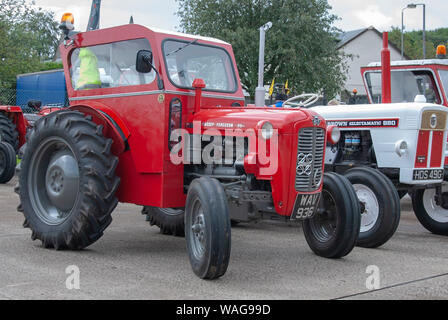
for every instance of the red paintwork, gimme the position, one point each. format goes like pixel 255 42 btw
pixel 385 70
pixel 47 110
pixel 422 149
pixel 15 113
pixel 198 84
pixel 436 149
pixel 148 177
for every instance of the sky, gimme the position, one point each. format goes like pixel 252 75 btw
pixel 353 14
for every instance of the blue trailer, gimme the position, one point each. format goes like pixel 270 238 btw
pixel 47 86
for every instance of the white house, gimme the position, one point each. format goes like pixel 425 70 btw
pixel 365 46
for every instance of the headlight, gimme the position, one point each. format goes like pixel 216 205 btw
pixel 401 147
pixel 333 134
pixel 267 130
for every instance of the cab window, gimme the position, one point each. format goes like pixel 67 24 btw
pixel 109 65
pixel 406 84
pixel 186 61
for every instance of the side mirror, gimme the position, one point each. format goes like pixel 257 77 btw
pixel 144 61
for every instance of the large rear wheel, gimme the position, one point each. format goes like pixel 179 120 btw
pixel 7 162
pixel 67 181
pixel 171 221
pixel 207 228
pixel 334 229
pixel 8 131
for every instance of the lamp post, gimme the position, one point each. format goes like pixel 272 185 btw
pixel 413 6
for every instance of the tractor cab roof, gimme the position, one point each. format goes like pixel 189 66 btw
pixel 179 34
pixel 443 62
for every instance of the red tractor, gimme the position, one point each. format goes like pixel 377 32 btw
pixel 159 129
pixel 13 127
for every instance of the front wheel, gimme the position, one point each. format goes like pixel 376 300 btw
pixel 334 229
pixel 207 228
pixel 380 206
pixel 432 216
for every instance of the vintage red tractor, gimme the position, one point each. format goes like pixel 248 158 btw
pixel 162 124
pixel 13 127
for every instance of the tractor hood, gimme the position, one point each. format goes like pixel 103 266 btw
pixel 402 115
pixel 284 120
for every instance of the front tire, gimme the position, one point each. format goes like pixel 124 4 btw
pixel 432 216
pixel 207 228
pixel 67 181
pixel 380 206
pixel 334 229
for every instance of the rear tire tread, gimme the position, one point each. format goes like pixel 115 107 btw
pixel 97 196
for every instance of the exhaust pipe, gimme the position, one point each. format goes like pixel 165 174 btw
pixel 260 91
pixel 386 77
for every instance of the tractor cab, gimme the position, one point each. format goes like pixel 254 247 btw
pixel 411 80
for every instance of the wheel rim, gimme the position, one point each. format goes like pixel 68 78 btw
pixel 53 181
pixel 198 236
pixel 2 163
pixel 369 201
pixel 435 211
pixel 323 225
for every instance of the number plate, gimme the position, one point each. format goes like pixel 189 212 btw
pixel 305 206
pixel 428 174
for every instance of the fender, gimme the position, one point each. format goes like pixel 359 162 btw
pixel 114 126
pixel 16 114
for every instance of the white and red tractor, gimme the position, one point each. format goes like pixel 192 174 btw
pixel 387 150
pixel 422 80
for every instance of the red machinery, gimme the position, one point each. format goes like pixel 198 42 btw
pixel 115 143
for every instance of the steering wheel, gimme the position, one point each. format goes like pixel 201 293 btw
pixel 306 100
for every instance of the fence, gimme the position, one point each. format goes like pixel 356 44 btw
pixel 14 97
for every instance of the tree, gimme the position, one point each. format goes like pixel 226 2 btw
pixel 301 47
pixel 413 41
pixel 28 37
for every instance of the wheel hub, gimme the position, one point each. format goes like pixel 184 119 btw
pixel 369 206
pixel 324 222
pixel 198 229
pixel 62 180
pixel 198 234
pixel 435 211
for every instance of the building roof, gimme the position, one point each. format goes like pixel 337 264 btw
pixel 346 37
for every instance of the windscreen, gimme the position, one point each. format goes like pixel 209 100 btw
pixel 406 84
pixel 444 77
pixel 187 61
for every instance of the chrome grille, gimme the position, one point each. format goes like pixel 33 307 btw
pixel 310 155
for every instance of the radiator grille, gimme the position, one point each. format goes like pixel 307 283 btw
pixel 310 154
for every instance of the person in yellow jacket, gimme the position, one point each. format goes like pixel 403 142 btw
pixel 89 75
